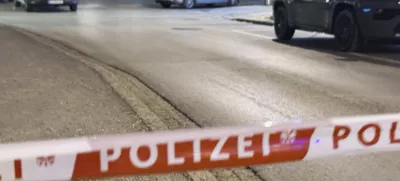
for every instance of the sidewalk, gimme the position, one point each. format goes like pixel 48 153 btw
pixel 265 18
pixel 45 94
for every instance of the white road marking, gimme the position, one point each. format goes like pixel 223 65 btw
pixel 252 34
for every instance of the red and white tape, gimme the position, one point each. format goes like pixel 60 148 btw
pixel 186 150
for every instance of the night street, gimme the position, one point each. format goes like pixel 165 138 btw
pixel 220 72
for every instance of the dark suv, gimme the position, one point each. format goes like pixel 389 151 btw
pixel 352 22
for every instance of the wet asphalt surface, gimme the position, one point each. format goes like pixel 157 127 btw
pixel 220 72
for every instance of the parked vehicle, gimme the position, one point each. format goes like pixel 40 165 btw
pixel 192 3
pixel 353 22
pixel 31 4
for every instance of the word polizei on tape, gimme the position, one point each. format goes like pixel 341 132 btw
pixel 187 150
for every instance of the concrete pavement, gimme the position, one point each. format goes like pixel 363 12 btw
pixel 46 94
pixel 260 18
pixel 220 72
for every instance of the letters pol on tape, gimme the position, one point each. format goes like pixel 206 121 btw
pixel 188 150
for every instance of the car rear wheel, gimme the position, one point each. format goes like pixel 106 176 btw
pixel 233 2
pixel 73 7
pixel 166 5
pixel 281 24
pixel 347 33
pixel 188 4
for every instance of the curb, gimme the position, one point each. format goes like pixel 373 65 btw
pixel 131 89
pixel 260 22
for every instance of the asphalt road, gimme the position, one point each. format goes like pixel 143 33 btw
pixel 220 72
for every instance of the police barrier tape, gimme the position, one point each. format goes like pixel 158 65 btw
pixel 186 150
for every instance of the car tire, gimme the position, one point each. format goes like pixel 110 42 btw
pixel 233 2
pixel 189 4
pixel 347 32
pixel 281 24
pixel 166 5
pixel 73 7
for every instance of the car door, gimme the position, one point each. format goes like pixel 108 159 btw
pixel 302 13
pixel 320 18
